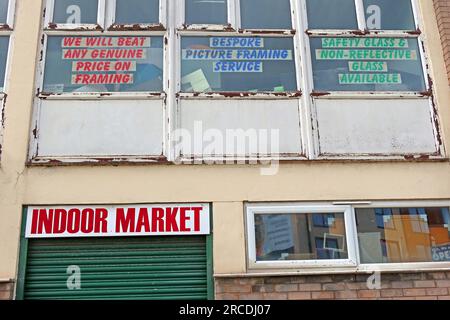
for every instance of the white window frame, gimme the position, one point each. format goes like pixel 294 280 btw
pixel 234 29
pixel 311 95
pixel 9 25
pixel 50 25
pixel 334 266
pixel 158 26
pixel 172 28
pixel 92 30
pixel 6 30
pixel 284 210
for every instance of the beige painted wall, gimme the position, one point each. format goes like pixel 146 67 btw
pixel 227 186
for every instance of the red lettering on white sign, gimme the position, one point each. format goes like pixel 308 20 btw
pixel 117 221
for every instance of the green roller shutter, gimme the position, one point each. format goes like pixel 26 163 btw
pixel 118 268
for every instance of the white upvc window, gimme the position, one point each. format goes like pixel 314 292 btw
pixel 300 236
pixel 353 236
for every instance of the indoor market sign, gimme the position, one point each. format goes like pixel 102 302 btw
pixel 367 58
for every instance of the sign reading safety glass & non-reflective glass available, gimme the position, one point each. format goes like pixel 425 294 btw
pixel 366 64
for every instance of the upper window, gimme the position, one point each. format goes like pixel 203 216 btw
pixel 389 15
pixel 265 14
pixel 326 14
pixel 137 12
pixel 388 60
pixel 103 62
pixel 206 12
pixel 6 22
pixel 75 11
pixel 237 64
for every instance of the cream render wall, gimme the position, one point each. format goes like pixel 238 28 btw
pixel 227 187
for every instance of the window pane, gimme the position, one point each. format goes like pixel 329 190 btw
pixel 314 236
pixel 206 12
pixel 137 11
pixel 103 64
pixel 266 14
pixel 4 44
pixel 75 11
pixel 367 64
pixel 389 15
pixel 237 64
pixel 403 235
pixel 332 14
pixel 3 11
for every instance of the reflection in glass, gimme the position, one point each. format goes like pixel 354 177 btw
pixel 311 236
pixel 75 11
pixel 341 64
pixel 206 12
pixel 137 11
pixel 332 14
pixel 395 235
pixel 237 64
pixel 389 15
pixel 266 14
pixel 3 11
pixel 113 64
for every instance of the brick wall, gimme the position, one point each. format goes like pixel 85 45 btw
pixel 398 286
pixel 442 8
pixel 6 290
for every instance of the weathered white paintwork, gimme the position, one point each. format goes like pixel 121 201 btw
pixel 400 126
pixel 100 128
pixel 223 115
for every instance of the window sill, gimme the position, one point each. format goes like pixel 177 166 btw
pixel 362 269
pixel 161 160
pixel 102 95
pixel 240 95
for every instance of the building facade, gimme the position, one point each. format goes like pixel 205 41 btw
pixel 235 149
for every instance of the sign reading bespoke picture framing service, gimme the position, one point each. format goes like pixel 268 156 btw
pixel 117 221
pixel 100 64
pixel 367 64
pixel 237 64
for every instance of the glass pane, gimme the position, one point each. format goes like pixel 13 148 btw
pixel 237 64
pixel 4 44
pixel 367 64
pixel 3 11
pixel 206 12
pixel 137 11
pixel 312 236
pixel 75 11
pixel 266 14
pixel 403 235
pixel 389 15
pixel 332 14
pixel 103 64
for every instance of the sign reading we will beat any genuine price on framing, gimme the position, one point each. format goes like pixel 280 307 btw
pixel 104 60
pixel 117 221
